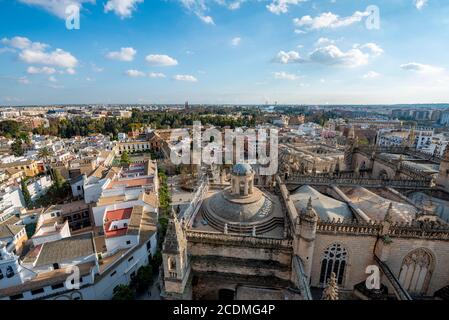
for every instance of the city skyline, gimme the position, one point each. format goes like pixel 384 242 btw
pixel 224 52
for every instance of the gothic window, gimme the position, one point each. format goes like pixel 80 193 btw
pixel 416 271
pixel 334 260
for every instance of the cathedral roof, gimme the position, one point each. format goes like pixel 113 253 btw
pixel 326 207
pixel 376 207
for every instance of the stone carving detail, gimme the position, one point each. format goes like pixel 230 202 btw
pixel 331 290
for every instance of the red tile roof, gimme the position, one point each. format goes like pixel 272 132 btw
pixel 114 215
pixel 119 214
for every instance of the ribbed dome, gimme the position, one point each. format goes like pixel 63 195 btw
pixel 242 169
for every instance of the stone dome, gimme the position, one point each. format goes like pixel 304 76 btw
pixel 230 209
pixel 242 169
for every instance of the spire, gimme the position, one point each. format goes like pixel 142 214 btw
pixel 331 290
pixel 389 215
pixel 310 212
pixel 173 235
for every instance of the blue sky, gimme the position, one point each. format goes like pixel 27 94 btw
pixel 224 51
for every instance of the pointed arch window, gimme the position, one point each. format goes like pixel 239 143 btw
pixel 416 271
pixel 334 259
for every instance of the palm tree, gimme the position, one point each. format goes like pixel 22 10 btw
pixel 44 154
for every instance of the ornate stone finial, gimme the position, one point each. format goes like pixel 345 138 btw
pixel 389 215
pixel 310 212
pixel 309 203
pixel 331 290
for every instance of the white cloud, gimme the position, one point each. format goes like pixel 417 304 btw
pixel 43 70
pixel 299 31
pixel 156 75
pixel 324 41
pixel 125 54
pixel 329 20
pixel 281 6
pixel 52 79
pixel 71 71
pixel 185 77
pixel 56 7
pixel 58 57
pixel 421 68
pixel 161 60
pixel 371 75
pixel 199 8
pixel 288 57
pixel 236 41
pixel 375 49
pixel 22 43
pixel 207 19
pixel 333 56
pixel 37 53
pixel 122 8
pixel 134 73
pixel 419 4
pixel 285 76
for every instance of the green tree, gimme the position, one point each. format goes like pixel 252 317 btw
pixel 26 194
pixel 44 154
pixel 58 180
pixel 123 292
pixel 143 279
pixel 17 148
pixel 156 261
pixel 124 159
pixel 10 128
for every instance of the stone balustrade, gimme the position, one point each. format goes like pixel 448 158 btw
pixel 239 240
